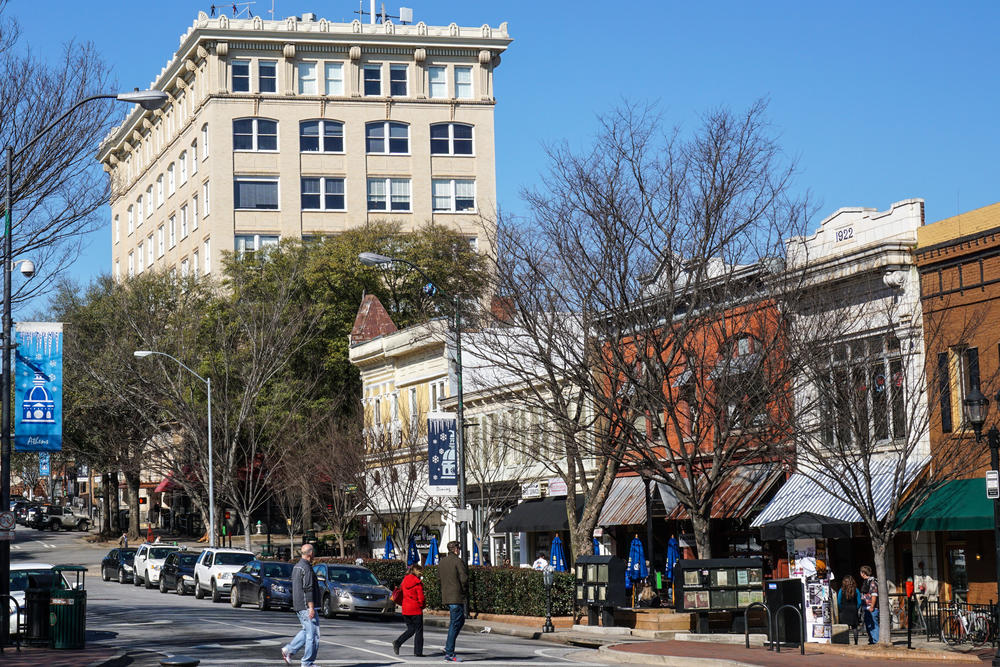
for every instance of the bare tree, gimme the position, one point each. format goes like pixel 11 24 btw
pixel 337 473
pixel 24 466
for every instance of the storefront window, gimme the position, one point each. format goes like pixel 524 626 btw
pixel 958 575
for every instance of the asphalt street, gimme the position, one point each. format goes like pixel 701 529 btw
pixel 147 625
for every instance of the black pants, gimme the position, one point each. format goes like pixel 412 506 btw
pixel 415 629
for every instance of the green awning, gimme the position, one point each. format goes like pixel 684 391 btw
pixel 958 505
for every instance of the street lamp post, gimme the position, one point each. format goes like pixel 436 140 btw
pixel 548 578
pixel 374 259
pixel 211 467
pixel 977 407
pixel 147 99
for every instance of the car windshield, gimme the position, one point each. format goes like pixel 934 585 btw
pixel 276 570
pixel 21 579
pixel 232 559
pixel 353 575
pixel 160 552
pixel 187 560
pixel 128 556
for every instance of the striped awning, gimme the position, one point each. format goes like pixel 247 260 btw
pixel 801 494
pixel 626 503
pixel 737 498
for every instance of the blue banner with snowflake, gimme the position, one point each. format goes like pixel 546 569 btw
pixel 38 375
pixel 442 461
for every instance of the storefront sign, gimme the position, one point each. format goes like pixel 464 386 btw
pixel 531 490
pixel 557 486
pixel 38 390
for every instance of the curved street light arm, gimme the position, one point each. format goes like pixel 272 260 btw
pixel 180 363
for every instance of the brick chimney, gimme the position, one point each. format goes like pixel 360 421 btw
pixel 371 322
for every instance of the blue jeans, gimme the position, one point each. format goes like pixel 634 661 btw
pixel 457 612
pixel 308 637
pixel 871 625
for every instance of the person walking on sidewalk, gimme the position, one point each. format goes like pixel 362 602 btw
pixel 305 594
pixel 869 599
pixel 454 575
pixel 413 610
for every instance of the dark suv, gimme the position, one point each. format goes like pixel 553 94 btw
pixel 178 572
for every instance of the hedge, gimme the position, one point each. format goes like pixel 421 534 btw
pixel 492 590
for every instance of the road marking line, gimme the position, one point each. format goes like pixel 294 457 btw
pixel 387 656
pixel 426 645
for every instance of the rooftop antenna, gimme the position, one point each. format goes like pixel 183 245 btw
pixel 405 14
pixel 362 13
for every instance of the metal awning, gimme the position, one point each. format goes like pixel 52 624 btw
pixel 737 498
pixel 805 525
pixel 626 503
pixel 802 494
pixel 540 515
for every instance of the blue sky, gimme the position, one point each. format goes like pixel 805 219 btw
pixel 878 101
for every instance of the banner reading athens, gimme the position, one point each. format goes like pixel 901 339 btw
pixel 38 374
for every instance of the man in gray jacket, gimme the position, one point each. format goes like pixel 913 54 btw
pixel 305 596
pixel 454 576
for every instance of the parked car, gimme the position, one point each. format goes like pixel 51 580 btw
pixel 177 573
pixel 117 565
pixel 148 561
pixel 214 571
pixel 265 582
pixel 21 511
pixel 33 516
pixel 27 575
pixel 55 517
pixel 352 589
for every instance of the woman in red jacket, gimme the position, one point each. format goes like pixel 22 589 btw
pixel 413 610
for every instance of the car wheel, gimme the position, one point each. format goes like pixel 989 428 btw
pixel 234 597
pixel 216 596
pixel 121 576
pixel 147 581
pixel 328 606
pixel 54 526
pixel 198 593
pixel 135 578
pixel 82 526
pixel 104 575
pixel 180 587
pixel 163 584
pixel 261 601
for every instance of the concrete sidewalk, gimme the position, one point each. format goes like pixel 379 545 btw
pixel 38 657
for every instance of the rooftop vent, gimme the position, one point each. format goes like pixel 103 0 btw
pixel 308 16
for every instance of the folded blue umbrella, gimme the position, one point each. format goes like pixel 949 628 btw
pixel 390 552
pixel 557 559
pixel 475 552
pixel 597 547
pixel 432 552
pixel 412 555
pixel 636 569
pixel 673 555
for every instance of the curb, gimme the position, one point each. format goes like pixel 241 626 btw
pixel 524 633
pixel 609 651
pixel 110 660
pixel 916 655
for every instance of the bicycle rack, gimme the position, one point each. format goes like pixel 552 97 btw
pixel 4 641
pixel 746 625
pixel 802 627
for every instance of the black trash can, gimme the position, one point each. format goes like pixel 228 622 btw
pixel 37 601
pixel 68 609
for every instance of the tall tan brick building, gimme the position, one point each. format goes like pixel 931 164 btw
pixel 302 127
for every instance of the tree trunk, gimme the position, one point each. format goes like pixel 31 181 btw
pixel 132 482
pixel 340 542
pixel 702 541
pixel 884 615
pixel 106 525
pixel 307 522
pixel 112 493
pixel 245 520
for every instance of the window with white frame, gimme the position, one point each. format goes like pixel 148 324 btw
pixel 437 390
pixel 957 375
pixel 255 134
pixel 323 136
pixel 181 108
pixel 334 75
pixel 194 213
pixel 398 135
pixel 267 76
pixel 195 266
pixel 207 254
pixel 118 229
pixel 394 406
pixel 204 141
pixel 241 76
pixel 118 269
pixel 184 223
pixel 160 241
pixel 140 259
pixel 255 193
pixel 414 410
pixel 453 195
pixel 159 191
pixel 185 268
pixel 463 83
pixel 373 80
pixel 398 80
pixel 171 179
pixel 437 82
pixel 169 121
pixel 131 218
pixel 323 194
pixel 205 199
pixel 149 202
pixel 451 139
pixel 131 264
pixel 172 230
pixel 307 79
pixel 248 244
pixel 386 194
pixel 194 157
pixel 182 165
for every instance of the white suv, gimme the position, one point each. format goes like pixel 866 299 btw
pixel 215 569
pixel 148 563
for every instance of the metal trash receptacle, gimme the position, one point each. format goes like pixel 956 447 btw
pixel 36 613
pixel 68 611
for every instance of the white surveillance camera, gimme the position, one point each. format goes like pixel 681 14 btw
pixel 28 268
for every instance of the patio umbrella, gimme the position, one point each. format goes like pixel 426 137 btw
pixel 412 555
pixel 597 547
pixel 432 552
pixel 389 551
pixel 636 569
pixel 557 559
pixel 475 552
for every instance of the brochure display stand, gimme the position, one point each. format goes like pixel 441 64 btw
pixel 718 585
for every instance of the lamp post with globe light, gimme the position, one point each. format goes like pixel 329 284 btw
pixel 374 259
pixel 147 99
pixel 977 407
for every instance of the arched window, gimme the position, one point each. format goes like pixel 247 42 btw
pixel 321 136
pixel 387 137
pixel 451 139
pixel 255 134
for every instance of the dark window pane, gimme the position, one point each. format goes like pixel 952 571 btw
pixel 439 131
pixel 439 146
pixel 375 137
pixel 268 76
pixel 267 135
pixel 464 204
pixel 310 193
pixel 256 194
pixel 309 136
pixel 463 146
pixel 310 201
pixel 944 389
pixel 333 137
pixel 898 392
pixel 334 194
pixel 243 134
pixel 972 363
pixel 373 81
pixel 399 138
pixel 241 76
pixel 462 131
pixel 397 81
